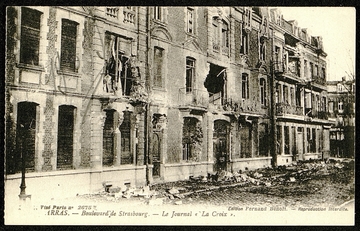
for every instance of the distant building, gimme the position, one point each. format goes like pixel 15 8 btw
pixel 342 113
pixel 135 95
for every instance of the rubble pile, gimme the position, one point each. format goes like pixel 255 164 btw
pixel 280 181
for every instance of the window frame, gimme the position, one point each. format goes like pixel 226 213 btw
pixel 245 86
pixel 157 13
pixel 262 83
pixel 65 63
pixel 158 78
pixel 27 29
pixel 190 74
pixel 190 22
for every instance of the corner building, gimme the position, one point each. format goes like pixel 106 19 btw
pixel 137 95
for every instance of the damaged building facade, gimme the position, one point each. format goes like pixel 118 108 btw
pixel 342 115
pixel 135 95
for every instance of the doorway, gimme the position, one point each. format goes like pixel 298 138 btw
pixel 220 145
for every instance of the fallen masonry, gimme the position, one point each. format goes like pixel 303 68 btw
pixel 282 176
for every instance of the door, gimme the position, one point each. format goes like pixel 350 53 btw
pixel 220 145
pixel 155 150
pixel 300 143
pixel 65 137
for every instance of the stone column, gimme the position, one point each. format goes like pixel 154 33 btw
pixel 97 126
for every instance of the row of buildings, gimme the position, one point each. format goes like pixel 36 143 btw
pixel 136 95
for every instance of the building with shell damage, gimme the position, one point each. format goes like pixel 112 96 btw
pixel 136 95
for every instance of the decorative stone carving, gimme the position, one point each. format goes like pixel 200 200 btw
pixel 159 122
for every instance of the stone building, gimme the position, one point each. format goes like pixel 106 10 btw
pixel 301 95
pixel 135 95
pixel 342 114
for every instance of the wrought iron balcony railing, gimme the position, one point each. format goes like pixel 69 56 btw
pixel 287 109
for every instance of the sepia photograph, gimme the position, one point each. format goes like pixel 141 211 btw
pixel 179 115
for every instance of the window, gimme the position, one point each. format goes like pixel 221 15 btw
pixel 68 45
pixel 298 96
pixel 323 72
pixel 65 137
pixel 263 91
pixel 340 87
pixel 292 96
pixel 120 73
pixel 285 94
pixel 225 35
pixel 311 70
pixel 157 13
pixel 316 70
pixel 108 158
pixel 190 20
pixel 190 73
pixel 30 36
pixel 277 59
pixel 215 24
pixel 305 68
pixel 245 86
pixel 331 106
pixel 287 139
pixel 340 106
pixel 262 50
pixel 158 63
pixel 244 43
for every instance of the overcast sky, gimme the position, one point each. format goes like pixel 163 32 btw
pixel 337 26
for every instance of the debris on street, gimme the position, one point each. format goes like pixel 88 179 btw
pixel 295 181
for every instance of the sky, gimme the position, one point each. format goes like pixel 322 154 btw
pixel 337 26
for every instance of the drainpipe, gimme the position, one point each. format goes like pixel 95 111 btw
pixel 147 87
pixel 273 117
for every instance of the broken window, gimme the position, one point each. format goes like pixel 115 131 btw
pixel 158 64
pixel 215 84
pixel 245 86
pixel 190 73
pixel 65 137
pixel 292 99
pixel 190 20
pixel 30 36
pixel 263 91
pixel 68 45
pixel 118 75
pixel 192 139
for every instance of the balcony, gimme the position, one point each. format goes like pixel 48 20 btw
pixel 316 114
pixel 112 12
pixel 129 15
pixel 286 109
pixel 193 98
pixel 319 80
